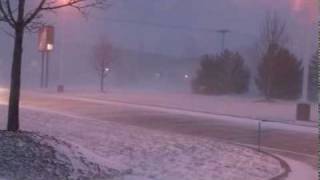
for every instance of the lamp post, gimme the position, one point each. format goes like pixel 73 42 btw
pixel 303 109
pixel 223 33
pixel 60 86
pixel 104 74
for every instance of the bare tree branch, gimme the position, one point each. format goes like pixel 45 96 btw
pixel 10 12
pixel 47 5
pixel 274 31
pixel 4 15
pixel 78 4
pixel 20 21
pixel 32 15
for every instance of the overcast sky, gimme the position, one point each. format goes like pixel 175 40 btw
pixel 172 27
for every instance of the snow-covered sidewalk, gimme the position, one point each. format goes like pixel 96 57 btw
pixel 153 155
pixel 238 106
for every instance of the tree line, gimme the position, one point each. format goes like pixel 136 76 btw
pixel 279 71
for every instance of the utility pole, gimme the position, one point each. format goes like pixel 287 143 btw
pixel 42 69
pixel 223 33
pixel 62 29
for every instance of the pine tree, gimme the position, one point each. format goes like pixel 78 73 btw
pixel 279 74
pixel 224 73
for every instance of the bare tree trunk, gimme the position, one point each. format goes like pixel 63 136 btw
pixel 269 82
pixel 14 99
pixel 268 87
pixel 13 111
pixel 102 82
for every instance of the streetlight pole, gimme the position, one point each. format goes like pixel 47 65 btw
pixel 42 70
pixel 47 70
pixel 223 33
pixel 60 86
pixel 303 110
pixel 304 97
pixel 259 135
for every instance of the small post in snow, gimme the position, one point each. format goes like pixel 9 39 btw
pixel 259 135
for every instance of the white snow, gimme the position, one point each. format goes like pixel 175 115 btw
pixel 285 125
pixel 239 106
pixel 34 156
pixel 153 155
pixel 300 170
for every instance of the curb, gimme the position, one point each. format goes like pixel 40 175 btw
pixel 283 164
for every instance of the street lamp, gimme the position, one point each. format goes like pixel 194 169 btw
pixel 157 75
pixel 303 109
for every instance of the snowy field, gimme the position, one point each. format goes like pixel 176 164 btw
pixel 240 106
pixel 152 155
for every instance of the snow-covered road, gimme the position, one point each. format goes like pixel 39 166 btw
pixel 292 142
pixel 232 105
pixel 288 138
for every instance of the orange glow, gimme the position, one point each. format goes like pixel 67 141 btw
pixel 297 5
pixel 64 1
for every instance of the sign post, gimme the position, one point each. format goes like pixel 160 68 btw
pixel 45 46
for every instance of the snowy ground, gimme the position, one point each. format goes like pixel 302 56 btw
pixel 240 106
pixel 31 156
pixel 300 171
pixel 150 154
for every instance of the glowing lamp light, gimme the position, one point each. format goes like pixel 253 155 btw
pixel 65 1
pixel 49 47
pixel 2 89
pixel 157 75
pixel 106 69
pixel 186 76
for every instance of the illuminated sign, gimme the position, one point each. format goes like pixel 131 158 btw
pixel 46 38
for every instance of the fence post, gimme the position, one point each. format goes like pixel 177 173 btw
pixel 259 135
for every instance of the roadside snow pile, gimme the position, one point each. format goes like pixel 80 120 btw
pixel 30 156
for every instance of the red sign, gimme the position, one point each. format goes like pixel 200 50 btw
pixel 46 38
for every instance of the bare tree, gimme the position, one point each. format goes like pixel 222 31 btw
pixel 103 58
pixel 270 46
pixel 22 16
pixel 273 31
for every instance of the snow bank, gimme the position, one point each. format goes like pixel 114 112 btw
pixel 300 170
pixel 31 156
